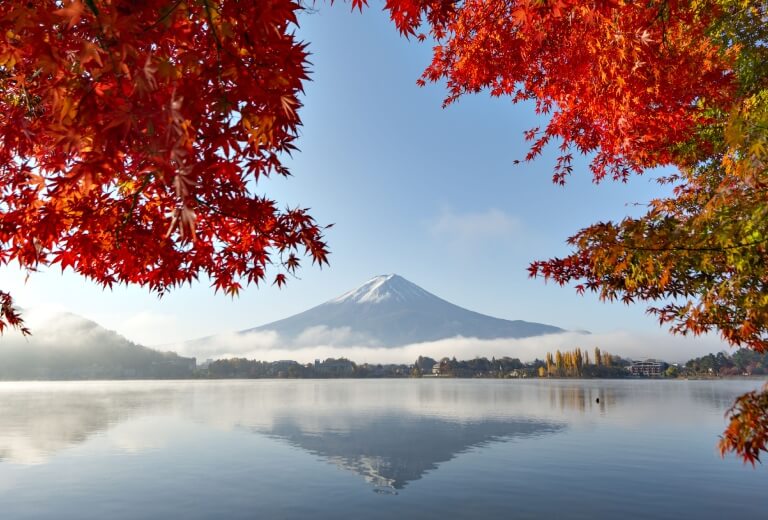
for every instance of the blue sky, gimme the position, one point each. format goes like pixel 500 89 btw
pixel 429 193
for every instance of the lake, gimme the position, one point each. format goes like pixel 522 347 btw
pixel 429 448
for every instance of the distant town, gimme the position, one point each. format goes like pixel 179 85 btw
pixel 129 361
pixel 570 364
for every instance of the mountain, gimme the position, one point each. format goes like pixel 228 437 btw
pixel 390 311
pixel 67 346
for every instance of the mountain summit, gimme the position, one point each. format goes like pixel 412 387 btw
pixel 390 311
pixel 388 287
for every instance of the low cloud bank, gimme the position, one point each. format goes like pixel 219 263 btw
pixel 68 330
pixel 52 328
pixel 267 346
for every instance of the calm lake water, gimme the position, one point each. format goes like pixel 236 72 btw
pixel 372 449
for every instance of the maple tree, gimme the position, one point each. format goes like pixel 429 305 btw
pixel 134 133
pixel 637 86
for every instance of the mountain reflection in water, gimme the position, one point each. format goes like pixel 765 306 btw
pixel 389 432
pixel 296 449
pixel 390 451
pixel 390 438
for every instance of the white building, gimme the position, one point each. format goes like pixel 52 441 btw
pixel 647 368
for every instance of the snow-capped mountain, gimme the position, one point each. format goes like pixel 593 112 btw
pixel 390 287
pixel 390 311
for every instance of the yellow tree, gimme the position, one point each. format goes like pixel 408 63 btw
pixel 559 363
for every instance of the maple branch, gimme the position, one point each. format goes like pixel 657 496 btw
pixel 662 16
pixel 670 313
pixel 695 249
pixel 9 316
pixel 134 203
pixel 216 38
pixel 286 265
pixel 218 211
pixel 92 6
pixel 165 16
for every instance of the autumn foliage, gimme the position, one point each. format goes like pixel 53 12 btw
pixel 636 86
pixel 620 81
pixel 134 134
pixel 747 432
pixel 639 85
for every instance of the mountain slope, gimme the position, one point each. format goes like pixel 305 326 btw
pixel 391 311
pixel 67 346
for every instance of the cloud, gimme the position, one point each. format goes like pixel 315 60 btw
pixel 321 346
pixel 228 345
pixel 71 331
pixel 322 335
pixel 132 436
pixel 62 330
pixel 268 345
pixel 475 227
pixel 146 327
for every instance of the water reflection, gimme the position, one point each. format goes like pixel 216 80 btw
pixel 37 420
pixel 582 399
pixel 645 397
pixel 391 451
pixel 389 432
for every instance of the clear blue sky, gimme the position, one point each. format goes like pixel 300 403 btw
pixel 429 193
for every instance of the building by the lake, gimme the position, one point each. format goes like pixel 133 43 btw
pixel 647 368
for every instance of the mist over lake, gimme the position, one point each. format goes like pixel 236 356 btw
pixel 376 449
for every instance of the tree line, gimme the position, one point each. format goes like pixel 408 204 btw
pixel 577 363
pixel 743 362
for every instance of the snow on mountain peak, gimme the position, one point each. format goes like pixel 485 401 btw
pixel 381 288
pixel 390 311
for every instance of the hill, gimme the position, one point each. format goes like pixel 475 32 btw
pixel 67 346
